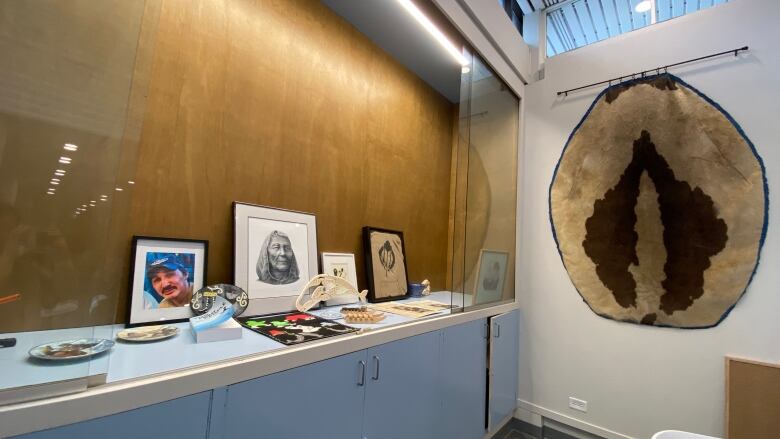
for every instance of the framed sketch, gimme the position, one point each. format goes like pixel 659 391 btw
pixel 164 272
pixel 491 275
pixel 340 265
pixel 385 264
pixel 275 255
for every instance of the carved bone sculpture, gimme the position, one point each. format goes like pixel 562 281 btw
pixel 326 287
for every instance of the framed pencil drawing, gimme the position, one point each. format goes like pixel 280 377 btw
pixel 275 255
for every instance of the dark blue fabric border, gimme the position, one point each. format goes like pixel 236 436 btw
pixel 741 133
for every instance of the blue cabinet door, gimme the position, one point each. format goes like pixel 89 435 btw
pixel 463 380
pixel 504 346
pixel 402 391
pixel 323 399
pixel 185 417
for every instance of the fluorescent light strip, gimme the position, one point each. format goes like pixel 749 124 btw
pixel 70 147
pixel 434 31
pixel 65 160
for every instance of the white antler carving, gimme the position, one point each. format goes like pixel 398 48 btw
pixel 326 287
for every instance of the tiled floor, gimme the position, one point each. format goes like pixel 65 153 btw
pixel 514 434
pixel 514 429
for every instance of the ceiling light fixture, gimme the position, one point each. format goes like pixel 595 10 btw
pixel 65 160
pixel 50 192
pixel 644 6
pixel 434 31
pixel 54 182
pixel 119 189
pixel 61 171
pixel 59 174
pixel 70 147
pixel 55 179
pixel 130 182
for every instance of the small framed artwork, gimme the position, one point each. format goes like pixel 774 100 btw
pixel 164 272
pixel 385 264
pixel 275 255
pixel 491 275
pixel 340 265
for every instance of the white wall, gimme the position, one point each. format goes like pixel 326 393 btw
pixel 638 379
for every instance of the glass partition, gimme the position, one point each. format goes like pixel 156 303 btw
pixel 485 189
pixel 68 135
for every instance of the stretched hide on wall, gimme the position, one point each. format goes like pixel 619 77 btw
pixel 658 206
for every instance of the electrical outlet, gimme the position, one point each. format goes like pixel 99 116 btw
pixel 578 404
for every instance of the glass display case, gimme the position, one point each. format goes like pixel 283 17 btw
pixel 130 130
pixel 484 189
pixel 71 95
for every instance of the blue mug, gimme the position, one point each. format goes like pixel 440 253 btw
pixel 415 290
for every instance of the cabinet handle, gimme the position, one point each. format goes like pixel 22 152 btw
pixel 362 376
pixel 376 368
pixel 498 330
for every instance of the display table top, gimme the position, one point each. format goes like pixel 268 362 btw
pixel 147 373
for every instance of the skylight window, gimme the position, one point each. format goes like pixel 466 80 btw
pixel 576 23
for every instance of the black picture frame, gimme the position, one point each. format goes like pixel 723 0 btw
pixel 370 261
pixel 132 320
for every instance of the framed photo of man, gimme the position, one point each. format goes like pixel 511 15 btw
pixel 164 273
pixel 385 260
pixel 491 275
pixel 275 255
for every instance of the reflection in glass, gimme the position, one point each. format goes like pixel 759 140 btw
pixel 485 188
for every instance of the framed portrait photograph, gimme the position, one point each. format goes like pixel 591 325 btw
pixel 491 275
pixel 164 273
pixel 385 264
pixel 275 255
pixel 340 265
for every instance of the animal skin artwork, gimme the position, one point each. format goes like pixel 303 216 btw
pixel 386 264
pixel 658 206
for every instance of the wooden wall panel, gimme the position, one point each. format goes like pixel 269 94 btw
pixel 283 103
pixel 752 399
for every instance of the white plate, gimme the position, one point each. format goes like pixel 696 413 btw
pixel 148 333
pixel 71 349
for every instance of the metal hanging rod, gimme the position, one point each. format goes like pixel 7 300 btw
pixel 656 70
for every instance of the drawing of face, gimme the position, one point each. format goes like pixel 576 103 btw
pixel 276 263
pixel 280 253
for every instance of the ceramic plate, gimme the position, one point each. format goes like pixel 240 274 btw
pixel 71 349
pixel 148 333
